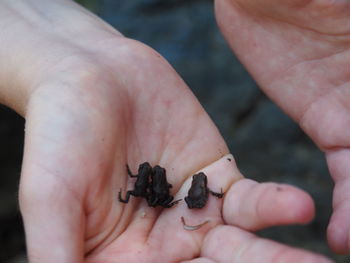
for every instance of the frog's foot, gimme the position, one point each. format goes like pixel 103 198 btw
pixel 127 197
pixel 218 195
pixel 172 204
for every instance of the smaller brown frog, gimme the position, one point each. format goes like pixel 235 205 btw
pixel 142 183
pixel 199 192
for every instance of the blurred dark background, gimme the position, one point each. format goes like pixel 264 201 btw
pixel 267 145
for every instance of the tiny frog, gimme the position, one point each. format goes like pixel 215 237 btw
pixel 142 183
pixel 160 189
pixel 199 192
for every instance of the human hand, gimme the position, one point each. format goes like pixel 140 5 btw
pixel 79 198
pixel 298 52
pixel 95 101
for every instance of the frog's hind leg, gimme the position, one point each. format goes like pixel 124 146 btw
pixel 127 197
pixel 167 203
pixel 218 195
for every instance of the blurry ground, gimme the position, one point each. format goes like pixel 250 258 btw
pixel 267 145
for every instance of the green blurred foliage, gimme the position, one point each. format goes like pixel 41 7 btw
pixel 92 5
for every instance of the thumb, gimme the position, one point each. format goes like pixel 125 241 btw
pixel 52 213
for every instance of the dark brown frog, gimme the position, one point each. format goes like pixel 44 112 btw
pixel 160 189
pixel 199 192
pixel 142 183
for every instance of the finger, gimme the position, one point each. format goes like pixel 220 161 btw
pixel 199 260
pixel 339 226
pixel 230 244
pixel 252 206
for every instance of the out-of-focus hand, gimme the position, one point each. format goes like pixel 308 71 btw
pixel 95 101
pixel 299 53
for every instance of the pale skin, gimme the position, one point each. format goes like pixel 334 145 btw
pixel 298 52
pixel 93 101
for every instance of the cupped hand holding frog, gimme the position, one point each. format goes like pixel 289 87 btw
pixel 95 101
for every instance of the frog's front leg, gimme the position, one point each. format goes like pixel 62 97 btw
pixel 129 172
pixel 218 195
pixel 189 202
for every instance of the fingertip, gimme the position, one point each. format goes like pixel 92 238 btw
pixel 266 204
pixel 338 230
pixel 336 243
pixel 297 205
pixel 338 234
pixel 282 204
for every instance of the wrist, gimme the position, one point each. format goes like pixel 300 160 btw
pixel 37 35
pixel 20 21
